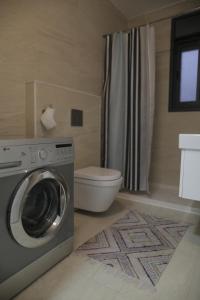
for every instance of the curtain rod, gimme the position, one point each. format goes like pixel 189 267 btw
pixel 158 20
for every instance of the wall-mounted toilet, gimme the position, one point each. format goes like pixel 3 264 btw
pixel 96 188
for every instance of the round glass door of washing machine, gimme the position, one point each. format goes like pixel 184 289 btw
pixel 38 208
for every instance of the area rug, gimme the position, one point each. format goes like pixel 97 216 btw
pixel 139 245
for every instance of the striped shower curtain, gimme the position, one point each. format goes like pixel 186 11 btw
pixel 128 105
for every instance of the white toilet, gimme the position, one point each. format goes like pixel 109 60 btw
pixel 96 188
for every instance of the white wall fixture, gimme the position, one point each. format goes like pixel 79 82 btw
pixel 40 95
pixel 190 166
pixel 47 118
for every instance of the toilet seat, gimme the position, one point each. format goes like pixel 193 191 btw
pixel 96 174
pixel 99 183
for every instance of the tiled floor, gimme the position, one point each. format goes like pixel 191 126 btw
pixel 77 278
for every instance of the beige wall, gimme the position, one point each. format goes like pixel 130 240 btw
pixel 165 154
pixel 57 41
pixel 39 95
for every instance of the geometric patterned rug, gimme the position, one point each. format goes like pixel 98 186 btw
pixel 138 244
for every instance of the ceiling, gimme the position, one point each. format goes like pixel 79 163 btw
pixel 133 8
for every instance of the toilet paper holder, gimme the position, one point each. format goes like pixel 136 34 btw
pixel 47 117
pixel 43 110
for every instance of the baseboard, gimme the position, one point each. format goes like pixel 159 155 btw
pixel 149 201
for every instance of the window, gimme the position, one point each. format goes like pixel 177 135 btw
pixel 185 63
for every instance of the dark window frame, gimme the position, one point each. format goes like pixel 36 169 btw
pixel 178 45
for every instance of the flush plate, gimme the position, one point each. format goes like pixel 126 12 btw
pixel 76 117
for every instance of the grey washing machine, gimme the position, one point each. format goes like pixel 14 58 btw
pixel 36 209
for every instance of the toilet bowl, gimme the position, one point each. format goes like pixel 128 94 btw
pixel 96 188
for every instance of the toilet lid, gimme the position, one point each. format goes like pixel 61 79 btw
pixel 97 173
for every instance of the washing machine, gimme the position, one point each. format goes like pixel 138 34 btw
pixel 36 209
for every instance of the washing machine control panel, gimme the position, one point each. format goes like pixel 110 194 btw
pixel 50 153
pixel 14 158
pixel 43 154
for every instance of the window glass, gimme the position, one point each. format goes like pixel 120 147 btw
pixel 189 75
pixel 184 92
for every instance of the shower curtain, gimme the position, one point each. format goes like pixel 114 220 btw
pixel 128 105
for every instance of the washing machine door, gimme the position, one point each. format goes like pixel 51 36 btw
pixel 38 208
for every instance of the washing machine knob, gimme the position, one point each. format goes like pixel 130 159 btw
pixel 43 154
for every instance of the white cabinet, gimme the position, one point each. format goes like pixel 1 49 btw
pixel 190 166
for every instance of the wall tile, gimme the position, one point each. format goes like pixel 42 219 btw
pixel 55 41
pixel 87 137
